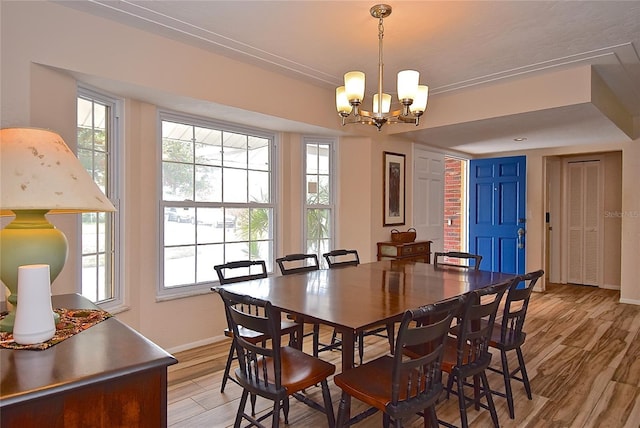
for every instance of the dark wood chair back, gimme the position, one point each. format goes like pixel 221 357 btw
pixel 439 260
pixel 251 269
pixel 515 309
pixel 340 258
pixel 417 382
pixel 400 386
pixel 475 326
pixel 291 328
pixel 249 314
pixel 508 335
pixel 467 354
pixel 266 368
pixel 297 263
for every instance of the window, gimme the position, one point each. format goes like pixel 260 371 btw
pixel 319 203
pixel 97 150
pixel 217 201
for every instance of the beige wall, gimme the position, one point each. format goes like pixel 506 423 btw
pixel 630 280
pixel 37 89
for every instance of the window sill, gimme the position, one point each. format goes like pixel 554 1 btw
pixel 182 294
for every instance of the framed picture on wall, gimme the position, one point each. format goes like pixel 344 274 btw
pixel 394 189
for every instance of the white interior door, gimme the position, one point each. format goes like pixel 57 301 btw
pixel 583 241
pixel 428 197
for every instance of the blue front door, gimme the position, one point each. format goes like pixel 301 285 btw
pixel 497 213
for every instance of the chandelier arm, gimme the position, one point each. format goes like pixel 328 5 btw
pixel 409 119
pixel 362 120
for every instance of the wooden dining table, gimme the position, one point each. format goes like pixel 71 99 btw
pixel 355 298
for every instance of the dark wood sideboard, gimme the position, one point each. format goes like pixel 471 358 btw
pixel 417 251
pixel 106 376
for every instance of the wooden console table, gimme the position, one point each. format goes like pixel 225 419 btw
pixel 106 376
pixel 418 251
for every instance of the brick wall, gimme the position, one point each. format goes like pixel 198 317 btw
pixel 452 203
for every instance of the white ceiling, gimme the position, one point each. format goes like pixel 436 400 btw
pixel 454 45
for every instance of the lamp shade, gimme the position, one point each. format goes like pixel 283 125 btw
pixel 39 171
pixel 342 103
pixel 408 84
pixel 354 85
pixel 386 103
pixel 420 102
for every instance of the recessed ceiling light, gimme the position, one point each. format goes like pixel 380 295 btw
pixel 520 139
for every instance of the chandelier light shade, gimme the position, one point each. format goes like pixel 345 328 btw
pixel 420 101
pixel 386 103
pixel 411 95
pixel 354 85
pixel 342 102
pixel 39 174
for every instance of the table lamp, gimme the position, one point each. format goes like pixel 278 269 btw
pixel 39 174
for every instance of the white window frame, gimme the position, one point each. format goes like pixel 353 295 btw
pixel 115 184
pixel 166 293
pixel 331 206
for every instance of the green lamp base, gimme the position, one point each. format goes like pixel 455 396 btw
pixel 29 239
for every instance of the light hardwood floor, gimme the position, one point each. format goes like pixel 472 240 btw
pixel 582 353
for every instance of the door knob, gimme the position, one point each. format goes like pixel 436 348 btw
pixel 521 234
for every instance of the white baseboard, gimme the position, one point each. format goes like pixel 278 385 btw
pixel 630 301
pixel 187 346
pixel 610 287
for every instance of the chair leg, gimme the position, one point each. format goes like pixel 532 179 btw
pixel 253 404
pixel 432 420
pixel 316 339
pixel 476 391
pixel 523 371
pixel 507 383
pixel 227 368
pixel 341 411
pixel 243 403
pixel 449 384
pixel 361 346
pixel 286 410
pixel 328 405
pixel 490 404
pixel 385 420
pixel 462 402
pixel 276 414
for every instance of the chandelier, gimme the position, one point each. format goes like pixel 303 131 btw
pixel 412 96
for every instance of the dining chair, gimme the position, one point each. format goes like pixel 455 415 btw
pixel 399 386
pixel 466 350
pixel 464 259
pixel 270 370
pixel 341 257
pixel 299 263
pixel 508 335
pixel 252 269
